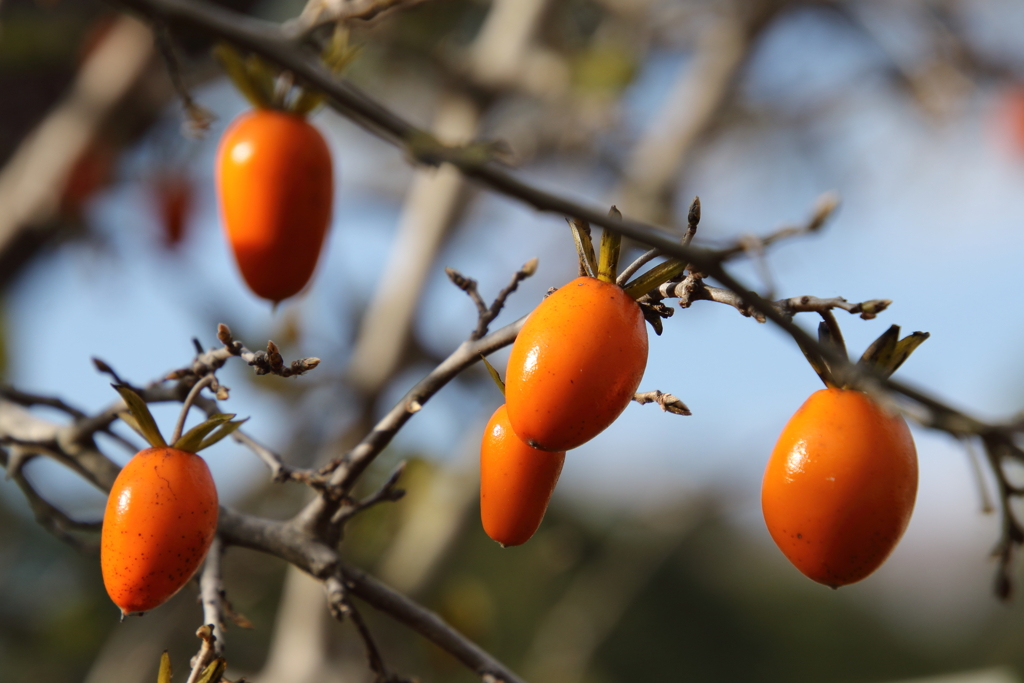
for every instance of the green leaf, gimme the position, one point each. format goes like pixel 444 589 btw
pixel 655 277
pixel 306 101
pixel 236 69
pixel 904 348
pixel 608 260
pixel 263 76
pixel 494 374
pixel 164 674
pixel 886 354
pixel 213 671
pixel 191 440
pixel 144 422
pixel 221 432
pixel 882 348
pixel 819 366
pixel 584 246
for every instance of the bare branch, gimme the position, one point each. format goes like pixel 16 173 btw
pixel 340 606
pixel 28 400
pixel 198 118
pixel 211 592
pixel 51 518
pixel 322 12
pixel 351 465
pixel 427 623
pixel 692 288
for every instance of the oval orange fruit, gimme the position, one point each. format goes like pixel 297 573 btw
pixel 575 365
pixel 516 482
pixel 160 520
pixel 275 184
pixel 840 486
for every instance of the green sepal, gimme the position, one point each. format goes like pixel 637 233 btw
pixel 611 244
pixel 143 420
pixel 336 55
pixel 214 671
pixel 191 441
pixel 494 374
pixel 819 366
pixel 584 246
pixel 887 353
pixel 164 673
pixel 832 338
pixel 223 431
pixel 252 87
pixel 306 101
pixel 655 277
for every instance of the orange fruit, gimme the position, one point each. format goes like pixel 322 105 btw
pixel 516 482
pixel 275 185
pixel 840 486
pixel 575 365
pixel 160 520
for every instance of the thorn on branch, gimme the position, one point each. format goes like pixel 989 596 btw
pixel 668 402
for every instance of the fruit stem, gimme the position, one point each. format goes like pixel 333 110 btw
pixel 196 388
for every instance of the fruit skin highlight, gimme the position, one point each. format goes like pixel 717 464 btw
pixel 516 482
pixel 275 185
pixel 160 520
pixel 575 365
pixel 840 486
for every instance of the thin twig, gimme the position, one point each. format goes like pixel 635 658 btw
pixel 636 265
pixel 341 607
pixel 387 492
pixel 987 508
pixel 347 469
pixel 199 118
pixel 427 623
pixel 179 426
pixel 28 400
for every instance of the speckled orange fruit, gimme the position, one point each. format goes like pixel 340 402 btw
pixel 160 520
pixel 840 486
pixel 575 365
pixel 516 482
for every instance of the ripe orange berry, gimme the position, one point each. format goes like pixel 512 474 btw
pixel 840 486
pixel 160 520
pixel 575 365
pixel 516 482
pixel 275 184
